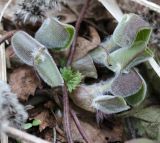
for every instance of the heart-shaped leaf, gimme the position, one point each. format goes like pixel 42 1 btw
pixel 55 35
pixel 110 104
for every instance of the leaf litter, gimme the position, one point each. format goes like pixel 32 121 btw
pixel 114 97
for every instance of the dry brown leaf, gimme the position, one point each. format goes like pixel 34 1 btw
pixel 65 15
pixel 46 119
pixel 23 82
pixel 84 46
pixel 96 134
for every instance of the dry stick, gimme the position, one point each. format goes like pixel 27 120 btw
pixel 3 73
pixel 69 62
pixel 149 4
pixel 79 127
pixel 7 36
pixel 23 135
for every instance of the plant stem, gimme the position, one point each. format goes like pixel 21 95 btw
pixel 23 136
pixel 66 115
pixel 79 127
pixel 69 62
pixel 77 27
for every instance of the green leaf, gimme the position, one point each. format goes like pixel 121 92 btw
pixel 149 114
pixel 55 35
pixel 126 84
pixel 27 126
pixel 36 122
pixel 136 99
pixel 110 104
pixel 72 78
pixel 85 66
pixel 121 59
pixel 48 70
pixel 142 140
pixel 35 54
pixel 127 28
pixel 147 122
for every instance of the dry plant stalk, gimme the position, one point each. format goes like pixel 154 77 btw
pixel 3 75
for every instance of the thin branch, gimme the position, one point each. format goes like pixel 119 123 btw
pixel 18 134
pixel 79 127
pixel 7 36
pixel 149 4
pixel 66 115
pixel 69 62
pixel 78 23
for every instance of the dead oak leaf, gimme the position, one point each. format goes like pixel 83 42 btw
pixel 46 119
pixel 84 46
pixel 23 82
pixel 96 134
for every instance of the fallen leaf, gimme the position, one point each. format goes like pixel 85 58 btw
pixel 23 82
pixel 84 46
pixel 96 134
pixel 86 66
pixel 46 120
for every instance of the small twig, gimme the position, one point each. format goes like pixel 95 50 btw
pixel 66 115
pixel 69 62
pixel 149 4
pixel 7 36
pixel 23 135
pixel 78 23
pixel 79 127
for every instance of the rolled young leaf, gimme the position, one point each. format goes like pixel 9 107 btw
pixel 127 28
pixel 137 98
pixel 35 54
pixel 110 104
pixel 55 35
pixel 121 59
pixel 126 84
